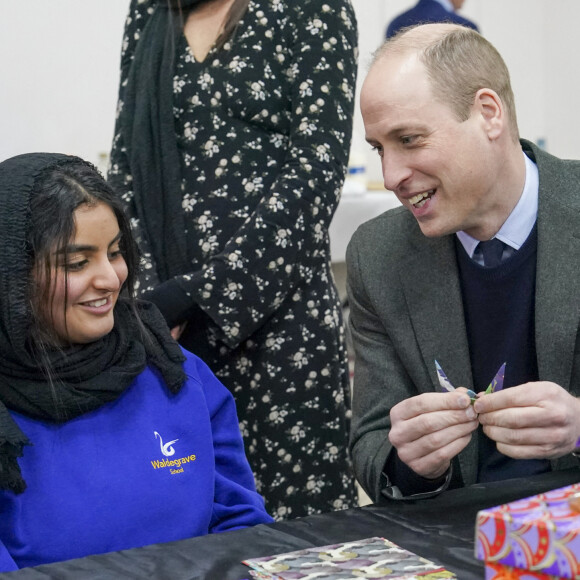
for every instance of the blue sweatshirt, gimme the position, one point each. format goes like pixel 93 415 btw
pixel 150 467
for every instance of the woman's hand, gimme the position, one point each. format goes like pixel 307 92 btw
pixel 177 331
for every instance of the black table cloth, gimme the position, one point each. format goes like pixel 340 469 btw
pixel 441 529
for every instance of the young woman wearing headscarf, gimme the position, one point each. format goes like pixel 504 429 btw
pixel 106 424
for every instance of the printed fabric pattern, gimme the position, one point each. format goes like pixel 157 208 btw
pixel 264 128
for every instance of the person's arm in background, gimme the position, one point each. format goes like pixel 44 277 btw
pixel 281 241
pixel 236 502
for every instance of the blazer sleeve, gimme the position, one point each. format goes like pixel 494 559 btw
pixel 374 357
pixel 381 377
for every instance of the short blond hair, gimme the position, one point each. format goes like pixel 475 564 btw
pixel 459 62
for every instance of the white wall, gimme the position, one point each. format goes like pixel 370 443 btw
pixel 59 69
pixel 539 41
pixel 59 64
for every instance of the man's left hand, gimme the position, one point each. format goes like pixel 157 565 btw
pixel 538 420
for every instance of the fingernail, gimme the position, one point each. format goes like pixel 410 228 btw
pixel 463 401
pixel 470 412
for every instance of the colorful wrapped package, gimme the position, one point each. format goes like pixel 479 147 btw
pixel 534 538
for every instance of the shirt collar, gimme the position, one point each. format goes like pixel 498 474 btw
pixel 517 227
pixel 447 5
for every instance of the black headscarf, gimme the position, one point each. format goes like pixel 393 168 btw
pixel 147 123
pixel 82 377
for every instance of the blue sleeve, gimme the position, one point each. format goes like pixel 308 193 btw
pixel 7 564
pixel 236 502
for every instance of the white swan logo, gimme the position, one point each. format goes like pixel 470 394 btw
pixel 166 448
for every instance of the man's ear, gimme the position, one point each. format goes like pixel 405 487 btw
pixel 489 107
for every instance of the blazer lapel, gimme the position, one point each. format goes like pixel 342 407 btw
pixel 558 272
pixel 430 281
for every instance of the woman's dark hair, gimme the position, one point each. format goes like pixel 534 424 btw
pixel 56 195
pixel 237 10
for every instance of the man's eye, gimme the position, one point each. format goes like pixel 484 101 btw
pixel 408 139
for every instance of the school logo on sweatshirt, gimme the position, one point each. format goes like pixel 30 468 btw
pixel 168 450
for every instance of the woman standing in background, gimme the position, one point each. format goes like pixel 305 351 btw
pixel 231 146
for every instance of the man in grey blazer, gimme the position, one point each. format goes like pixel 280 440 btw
pixel 438 107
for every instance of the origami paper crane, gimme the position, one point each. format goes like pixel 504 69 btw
pixel 495 385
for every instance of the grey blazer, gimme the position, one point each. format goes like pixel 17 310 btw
pixel 406 311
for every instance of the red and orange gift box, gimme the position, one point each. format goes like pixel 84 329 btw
pixel 533 538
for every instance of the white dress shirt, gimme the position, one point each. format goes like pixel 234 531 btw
pixel 518 225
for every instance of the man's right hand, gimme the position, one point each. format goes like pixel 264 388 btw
pixel 428 430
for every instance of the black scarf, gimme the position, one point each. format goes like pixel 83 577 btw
pixel 83 377
pixel 148 128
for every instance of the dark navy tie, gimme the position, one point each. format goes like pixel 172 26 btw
pixel 491 251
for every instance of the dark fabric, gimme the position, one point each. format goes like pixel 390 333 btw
pixel 181 4
pixel 259 186
pixel 151 143
pixel 172 301
pixel 426 11
pixel 499 315
pixel 82 377
pixel 441 529
pixel 409 482
pixel 492 251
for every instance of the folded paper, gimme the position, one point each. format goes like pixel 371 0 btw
pixel 375 558
pixel 537 537
pixel 495 385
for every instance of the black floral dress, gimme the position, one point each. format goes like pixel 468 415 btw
pixel 263 128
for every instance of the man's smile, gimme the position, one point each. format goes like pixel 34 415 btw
pixel 420 199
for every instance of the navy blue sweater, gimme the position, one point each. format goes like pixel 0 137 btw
pixel 499 315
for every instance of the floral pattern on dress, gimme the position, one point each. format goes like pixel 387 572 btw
pixel 264 127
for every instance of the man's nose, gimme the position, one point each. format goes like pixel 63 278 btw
pixel 395 171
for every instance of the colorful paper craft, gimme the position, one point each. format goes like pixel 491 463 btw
pixel 495 385
pixel 375 558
